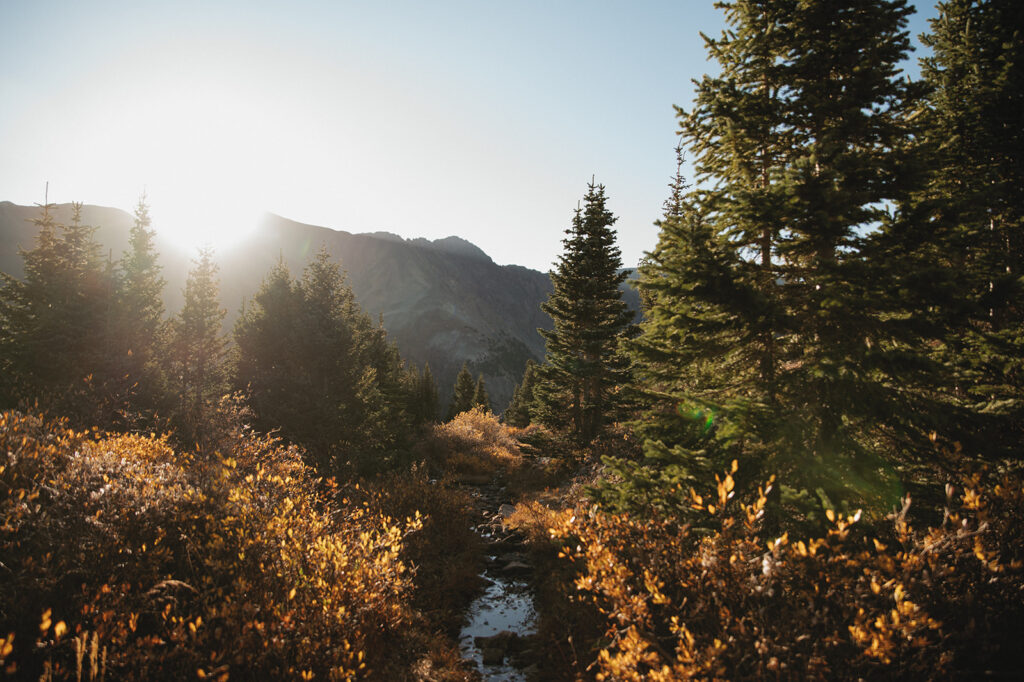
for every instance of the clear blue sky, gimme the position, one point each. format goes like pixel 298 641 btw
pixel 482 119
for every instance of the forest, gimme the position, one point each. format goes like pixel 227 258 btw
pixel 801 460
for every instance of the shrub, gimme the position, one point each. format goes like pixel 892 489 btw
pixel 446 553
pixel 125 559
pixel 473 442
pixel 862 600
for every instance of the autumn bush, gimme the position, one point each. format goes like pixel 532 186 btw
pixel 861 600
pixel 446 552
pixel 473 442
pixel 125 559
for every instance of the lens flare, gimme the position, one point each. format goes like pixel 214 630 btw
pixel 703 416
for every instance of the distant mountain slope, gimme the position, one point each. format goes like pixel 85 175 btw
pixel 444 302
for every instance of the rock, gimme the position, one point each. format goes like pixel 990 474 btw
pixel 506 544
pixel 516 568
pixel 506 510
pixel 492 655
pixel 500 640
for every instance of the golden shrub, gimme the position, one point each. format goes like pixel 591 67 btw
pixel 863 600
pixel 474 442
pixel 124 559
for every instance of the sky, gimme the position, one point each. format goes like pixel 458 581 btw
pixel 480 119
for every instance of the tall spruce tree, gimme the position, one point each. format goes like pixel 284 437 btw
pixel 139 325
pixel 427 397
pixel 679 282
pixel 582 368
pixel 422 402
pixel 480 396
pixel 269 335
pixel 58 324
pixel 462 395
pixel 769 293
pixel 198 351
pixel 520 410
pixel 26 306
pixel 317 368
pixel 975 204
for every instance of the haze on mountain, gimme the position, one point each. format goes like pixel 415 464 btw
pixel 444 302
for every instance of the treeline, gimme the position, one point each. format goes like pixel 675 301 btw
pixel 838 300
pixel 812 439
pixel 86 337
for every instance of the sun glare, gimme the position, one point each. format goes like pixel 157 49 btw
pixel 191 222
pixel 210 171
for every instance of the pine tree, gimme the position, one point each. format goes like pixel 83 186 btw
pixel 975 152
pixel 462 395
pixel 198 351
pixel 582 369
pixel 421 396
pixel 480 397
pixel 771 295
pixel 681 281
pixel 58 324
pixel 428 399
pixel 269 335
pixel 140 313
pixel 520 410
pixel 317 369
pixel 27 306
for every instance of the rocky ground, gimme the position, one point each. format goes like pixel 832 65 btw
pixel 499 635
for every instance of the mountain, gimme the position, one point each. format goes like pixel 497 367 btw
pixel 443 301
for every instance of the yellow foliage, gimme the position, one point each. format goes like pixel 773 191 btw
pixel 474 442
pixel 160 565
pixel 865 600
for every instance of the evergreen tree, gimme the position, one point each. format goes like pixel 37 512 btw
pixel 776 332
pixel 520 410
pixel 975 152
pixel 680 280
pixel 269 335
pixel 427 395
pixel 198 351
pixel 140 313
pixel 317 368
pixel 26 311
pixel 58 325
pixel 421 396
pixel 462 395
pixel 582 369
pixel 480 397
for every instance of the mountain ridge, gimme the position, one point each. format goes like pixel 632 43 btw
pixel 443 302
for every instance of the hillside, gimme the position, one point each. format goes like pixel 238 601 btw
pixel 444 302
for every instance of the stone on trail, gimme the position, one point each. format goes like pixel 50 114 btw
pixel 516 568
